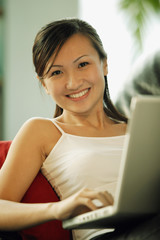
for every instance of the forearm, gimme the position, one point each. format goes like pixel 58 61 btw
pixel 16 216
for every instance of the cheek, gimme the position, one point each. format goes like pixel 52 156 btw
pixel 98 76
pixel 99 80
pixel 55 90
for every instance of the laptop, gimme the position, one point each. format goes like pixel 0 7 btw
pixel 138 191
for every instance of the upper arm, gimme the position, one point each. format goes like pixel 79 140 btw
pixel 23 161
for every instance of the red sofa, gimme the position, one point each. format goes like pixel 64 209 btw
pixel 40 191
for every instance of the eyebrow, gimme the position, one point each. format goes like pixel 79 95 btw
pixel 62 65
pixel 79 58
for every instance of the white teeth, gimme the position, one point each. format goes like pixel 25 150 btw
pixel 77 95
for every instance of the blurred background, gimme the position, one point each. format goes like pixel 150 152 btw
pixel 129 29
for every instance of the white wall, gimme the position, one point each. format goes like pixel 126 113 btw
pixel 22 96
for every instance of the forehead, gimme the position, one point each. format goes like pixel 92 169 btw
pixel 79 41
pixel 75 46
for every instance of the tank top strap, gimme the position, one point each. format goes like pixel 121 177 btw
pixel 57 126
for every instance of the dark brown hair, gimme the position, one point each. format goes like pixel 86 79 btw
pixel 49 41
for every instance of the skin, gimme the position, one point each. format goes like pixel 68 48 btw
pixel 12 213
pixel 76 83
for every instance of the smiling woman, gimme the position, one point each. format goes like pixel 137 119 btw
pixel 46 52
pixel 87 132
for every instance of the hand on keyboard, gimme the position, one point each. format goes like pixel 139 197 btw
pixel 81 202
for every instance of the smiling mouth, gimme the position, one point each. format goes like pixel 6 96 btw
pixel 78 95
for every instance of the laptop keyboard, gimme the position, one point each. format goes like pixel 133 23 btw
pixel 87 217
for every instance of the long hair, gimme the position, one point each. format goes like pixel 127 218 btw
pixel 50 40
pixel 109 107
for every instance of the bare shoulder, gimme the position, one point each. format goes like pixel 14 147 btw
pixel 38 126
pixel 38 132
pixel 33 127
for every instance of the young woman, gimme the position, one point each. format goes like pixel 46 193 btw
pixel 80 148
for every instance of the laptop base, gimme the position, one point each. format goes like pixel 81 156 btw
pixel 116 220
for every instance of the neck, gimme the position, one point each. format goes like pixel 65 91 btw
pixel 97 120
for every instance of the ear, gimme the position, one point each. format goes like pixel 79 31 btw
pixel 105 67
pixel 43 84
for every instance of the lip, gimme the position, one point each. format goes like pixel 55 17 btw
pixel 77 96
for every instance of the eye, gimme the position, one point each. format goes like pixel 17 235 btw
pixel 83 64
pixel 57 72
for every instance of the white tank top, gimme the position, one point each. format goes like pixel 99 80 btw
pixel 76 162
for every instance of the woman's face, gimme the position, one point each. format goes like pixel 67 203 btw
pixel 75 79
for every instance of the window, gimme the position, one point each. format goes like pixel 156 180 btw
pixel 111 25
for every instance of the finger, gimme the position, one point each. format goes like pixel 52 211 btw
pixel 109 197
pixel 103 199
pixel 103 196
pixel 88 203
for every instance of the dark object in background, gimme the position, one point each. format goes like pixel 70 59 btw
pixel 144 80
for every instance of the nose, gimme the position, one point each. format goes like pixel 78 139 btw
pixel 73 82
